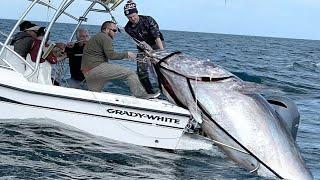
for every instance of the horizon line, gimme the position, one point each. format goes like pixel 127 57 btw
pixel 249 35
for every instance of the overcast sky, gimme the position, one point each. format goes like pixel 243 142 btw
pixel 275 18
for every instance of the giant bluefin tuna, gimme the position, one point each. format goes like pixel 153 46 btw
pixel 232 113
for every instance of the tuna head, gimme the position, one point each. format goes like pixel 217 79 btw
pixel 231 113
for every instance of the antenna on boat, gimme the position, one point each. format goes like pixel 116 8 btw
pixel 49 2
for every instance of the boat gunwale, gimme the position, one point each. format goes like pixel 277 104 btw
pixel 86 114
pixel 95 101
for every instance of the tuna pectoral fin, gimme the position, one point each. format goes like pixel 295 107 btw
pixel 288 112
pixel 195 112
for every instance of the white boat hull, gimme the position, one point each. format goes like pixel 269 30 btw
pixel 151 123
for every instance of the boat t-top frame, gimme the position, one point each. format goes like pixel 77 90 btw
pixel 107 7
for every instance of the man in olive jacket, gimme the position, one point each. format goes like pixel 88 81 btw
pixel 97 70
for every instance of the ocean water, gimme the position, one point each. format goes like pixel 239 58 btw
pixel 45 149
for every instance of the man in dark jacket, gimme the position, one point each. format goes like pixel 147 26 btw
pixel 143 28
pixel 75 53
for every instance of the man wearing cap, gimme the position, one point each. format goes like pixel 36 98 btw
pixel 143 28
pixel 96 67
pixel 23 40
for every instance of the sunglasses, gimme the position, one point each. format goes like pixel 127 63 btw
pixel 114 30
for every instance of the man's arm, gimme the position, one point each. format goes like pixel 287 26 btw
pixel 109 52
pixel 154 29
pixel 159 43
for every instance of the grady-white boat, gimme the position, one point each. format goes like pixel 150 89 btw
pixel 151 123
pixel 158 123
